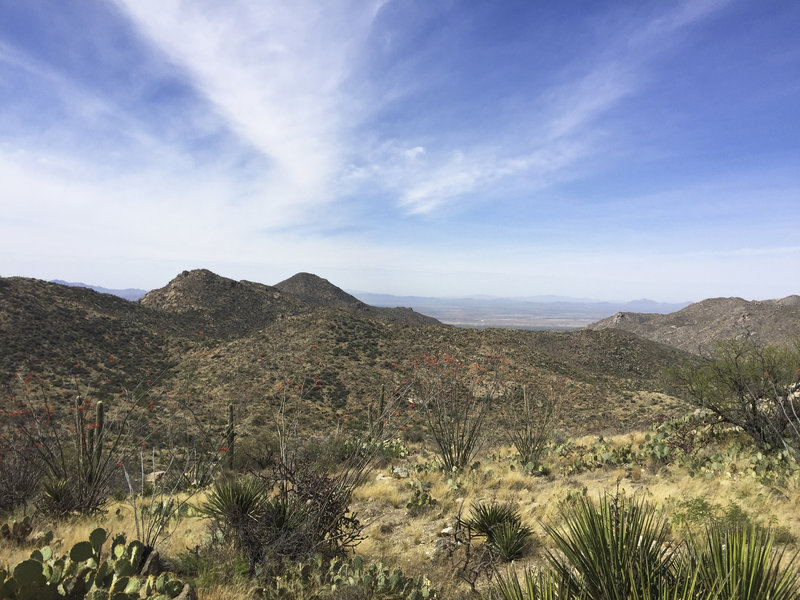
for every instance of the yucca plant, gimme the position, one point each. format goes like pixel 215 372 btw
pixel 552 585
pixel 57 497
pixel 236 502
pixel 236 507
pixel 615 550
pixel 502 525
pixel 535 585
pixel 508 541
pixel 484 518
pixel 743 563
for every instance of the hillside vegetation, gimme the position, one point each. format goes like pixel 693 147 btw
pixel 227 341
pixel 292 442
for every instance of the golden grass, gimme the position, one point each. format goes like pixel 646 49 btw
pixel 412 539
pixel 226 592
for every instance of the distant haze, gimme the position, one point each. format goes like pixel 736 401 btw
pixel 543 312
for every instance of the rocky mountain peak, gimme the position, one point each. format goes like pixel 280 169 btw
pixel 316 291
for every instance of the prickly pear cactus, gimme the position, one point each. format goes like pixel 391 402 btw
pixel 378 579
pixel 16 531
pixel 82 575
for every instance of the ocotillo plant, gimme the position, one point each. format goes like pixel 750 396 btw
pixel 373 426
pixel 90 448
pixel 95 449
pixel 230 435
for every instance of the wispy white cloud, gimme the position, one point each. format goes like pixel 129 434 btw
pixel 315 146
pixel 569 129
pixel 278 73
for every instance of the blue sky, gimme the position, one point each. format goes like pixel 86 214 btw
pixel 614 150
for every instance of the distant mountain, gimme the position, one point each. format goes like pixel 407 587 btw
pixel 223 306
pixel 699 326
pixel 209 340
pixel 537 312
pixel 132 294
pixel 319 292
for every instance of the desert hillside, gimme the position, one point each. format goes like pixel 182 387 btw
pixel 210 337
pixel 316 413
pixel 699 326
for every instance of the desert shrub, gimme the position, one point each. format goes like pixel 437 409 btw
pixel 752 387
pixel 18 478
pixel 298 505
pixel 455 401
pixel 692 513
pixel 296 509
pixel 74 453
pixel 69 453
pixel 530 419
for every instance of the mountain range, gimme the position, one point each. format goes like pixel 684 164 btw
pixel 216 340
pixel 534 312
pixel 537 312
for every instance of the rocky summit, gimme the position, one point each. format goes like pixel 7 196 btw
pixel 699 326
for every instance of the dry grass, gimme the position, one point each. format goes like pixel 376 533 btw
pixel 225 592
pixel 412 539
pixel 117 519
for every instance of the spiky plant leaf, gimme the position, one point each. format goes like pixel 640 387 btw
pixel 743 563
